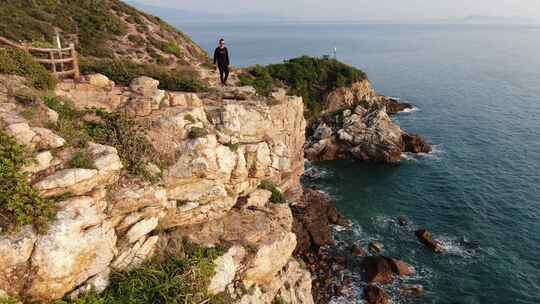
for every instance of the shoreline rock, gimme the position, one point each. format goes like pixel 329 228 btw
pixel 426 238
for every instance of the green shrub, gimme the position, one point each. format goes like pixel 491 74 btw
pixel 18 62
pixel 124 71
pixel 81 159
pixel 309 77
pixel 233 147
pixel 127 136
pixel 70 124
pixel 197 132
pixel 137 40
pixel 177 280
pixel 20 203
pixel 259 78
pixel 190 118
pixel 8 301
pixel 92 20
pixel 277 197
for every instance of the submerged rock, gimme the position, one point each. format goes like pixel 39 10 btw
pixel 412 290
pixel 427 239
pixel 375 295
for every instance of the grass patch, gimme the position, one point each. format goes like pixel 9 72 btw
pixel 123 72
pixel 177 280
pixel 196 132
pixel 20 203
pixel 277 197
pixel 309 77
pixel 18 62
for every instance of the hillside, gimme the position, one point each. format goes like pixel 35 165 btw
pixel 113 38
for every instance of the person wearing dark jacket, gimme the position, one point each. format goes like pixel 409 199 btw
pixel 221 59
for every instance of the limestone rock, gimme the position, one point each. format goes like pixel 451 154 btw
pixel 226 268
pixel 15 251
pixel 258 198
pixel 42 161
pixel 141 229
pixel 97 284
pixel 78 245
pixel 46 139
pixel 22 133
pixel 76 181
pixel 100 81
pixel 177 99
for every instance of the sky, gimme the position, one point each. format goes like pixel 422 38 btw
pixel 351 10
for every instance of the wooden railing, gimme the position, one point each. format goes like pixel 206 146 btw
pixel 62 62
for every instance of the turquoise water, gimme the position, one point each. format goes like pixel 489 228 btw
pixel 478 93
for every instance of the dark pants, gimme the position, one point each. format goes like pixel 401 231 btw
pixel 223 73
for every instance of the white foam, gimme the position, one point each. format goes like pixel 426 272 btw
pixel 409 110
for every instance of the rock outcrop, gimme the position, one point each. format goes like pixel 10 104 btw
pixel 109 221
pixel 426 238
pixel 365 134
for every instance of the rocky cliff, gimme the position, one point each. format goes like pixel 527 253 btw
pixel 214 152
pixel 356 125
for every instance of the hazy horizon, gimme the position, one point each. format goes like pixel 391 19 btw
pixel 407 11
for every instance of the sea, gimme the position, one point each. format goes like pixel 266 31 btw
pixel 476 92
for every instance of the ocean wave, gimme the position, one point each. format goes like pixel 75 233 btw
pixel 436 154
pixel 409 110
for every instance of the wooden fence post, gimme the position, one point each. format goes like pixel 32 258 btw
pixel 77 71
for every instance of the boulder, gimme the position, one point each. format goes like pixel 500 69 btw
pixel 375 295
pixel 377 269
pixel 376 247
pixel 100 81
pixel 425 237
pixel 401 268
pixel 313 220
pixel 415 144
pixel 412 290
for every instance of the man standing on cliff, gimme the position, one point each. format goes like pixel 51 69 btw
pixel 221 59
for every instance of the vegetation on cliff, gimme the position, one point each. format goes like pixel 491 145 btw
pixel 20 204
pixel 309 77
pixel 17 62
pixel 113 38
pixel 112 129
pixel 179 279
